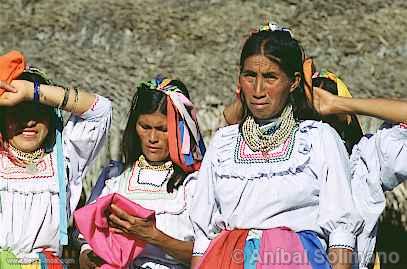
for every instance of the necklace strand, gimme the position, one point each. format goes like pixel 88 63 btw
pixel 28 157
pixel 258 140
pixel 143 164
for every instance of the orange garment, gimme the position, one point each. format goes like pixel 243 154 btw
pixel 308 69
pixel 226 251
pixel 12 65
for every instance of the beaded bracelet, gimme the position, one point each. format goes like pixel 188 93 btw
pixel 76 99
pixel 36 91
pixel 65 100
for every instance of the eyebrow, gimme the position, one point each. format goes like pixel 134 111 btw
pixel 253 73
pixel 149 125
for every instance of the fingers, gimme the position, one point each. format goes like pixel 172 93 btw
pixel 116 230
pixel 120 213
pixel 117 222
pixel 7 87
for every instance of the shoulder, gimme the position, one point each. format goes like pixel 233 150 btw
pixel 223 140
pixel 225 134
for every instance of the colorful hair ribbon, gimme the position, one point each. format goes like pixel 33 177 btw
pixel 185 140
pixel 343 90
pixel 271 26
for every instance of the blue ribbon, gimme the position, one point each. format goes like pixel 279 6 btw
pixel 63 217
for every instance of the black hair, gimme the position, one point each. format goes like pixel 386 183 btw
pixel 49 141
pixel 280 47
pixel 148 101
pixel 350 133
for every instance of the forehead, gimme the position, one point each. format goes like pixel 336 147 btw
pixel 153 119
pixel 261 63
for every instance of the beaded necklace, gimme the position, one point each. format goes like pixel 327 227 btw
pixel 259 139
pixel 29 160
pixel 144 165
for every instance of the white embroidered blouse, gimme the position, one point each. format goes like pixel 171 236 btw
pixel 29 203
pixel 303 185
pixel 148 188
pixel 378 163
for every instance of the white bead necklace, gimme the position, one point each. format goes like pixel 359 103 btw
pixel 258 140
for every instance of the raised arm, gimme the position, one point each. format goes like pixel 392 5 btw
pixel 387 109
pixel 69 99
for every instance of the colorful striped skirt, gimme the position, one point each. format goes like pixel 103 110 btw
pixel 278 248
pixel 46 260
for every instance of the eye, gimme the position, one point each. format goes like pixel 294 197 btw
pixel 249 78
pixel 270 77
pixel 162 129
pixel 144 126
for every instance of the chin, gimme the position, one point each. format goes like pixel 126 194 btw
pixel 262 116
pixel 27 146
pixel 154 158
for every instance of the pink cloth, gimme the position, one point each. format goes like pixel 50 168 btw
pixel 115 249
pixel 281 248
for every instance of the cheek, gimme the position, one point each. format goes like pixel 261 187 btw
pixel 143 137
pixel 164 140
pixel 44 126
pixel 246 86
pixel 277 91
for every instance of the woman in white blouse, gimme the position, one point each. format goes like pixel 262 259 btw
pixel 161 146
pixel 377 160
pixel 274 176
pixel 42 163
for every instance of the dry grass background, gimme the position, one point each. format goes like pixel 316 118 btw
pixel 108 46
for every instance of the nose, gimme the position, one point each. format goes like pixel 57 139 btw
pixel 31 123
pixel 258 88
pixel 153 138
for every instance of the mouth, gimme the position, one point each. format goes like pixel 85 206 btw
pixel 29 133
pixel 259 105
pixel 153 149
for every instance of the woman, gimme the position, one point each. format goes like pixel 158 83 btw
pixel 377 160
pixel 42 164
pixel 161 146
pixel 274 182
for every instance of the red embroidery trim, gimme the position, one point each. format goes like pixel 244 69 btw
pixel 8 170
pixel 260 155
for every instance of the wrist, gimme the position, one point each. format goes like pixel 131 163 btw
pixel 156 237
pixel 342 105
pixel 29 91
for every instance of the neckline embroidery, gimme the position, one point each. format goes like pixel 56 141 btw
pixel 45 169
pixel 136 184
pixel 243 154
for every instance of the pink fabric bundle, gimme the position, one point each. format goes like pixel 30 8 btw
pixel 115 249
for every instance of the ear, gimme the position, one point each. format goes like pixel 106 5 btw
pixel 295 82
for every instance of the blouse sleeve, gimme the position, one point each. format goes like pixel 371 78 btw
pixel 84 136
pixel 338 216
pixel 391 143
pixel 378 163
pixel 203 207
